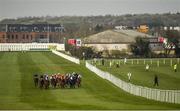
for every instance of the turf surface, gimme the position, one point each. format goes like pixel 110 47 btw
pixel 168 79
pixel 17 90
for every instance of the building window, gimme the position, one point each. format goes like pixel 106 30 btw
pixel 12 36
pixel 42 36
pixel 16 36
pixel 3 36
pixel 8 36
pixel 27 36
pixel 31 37
pixel 23 36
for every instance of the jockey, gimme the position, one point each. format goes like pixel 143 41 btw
pixel 66 75
pixel 35 76
pixel 63 76
pixel 55 75
pixel 71 77
pixel 73 73
pixel 50 77
pixel 46 77
pixel 79 76
pixel 41 76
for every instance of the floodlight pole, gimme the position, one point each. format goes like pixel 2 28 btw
pixel 6 32
pixel 48 33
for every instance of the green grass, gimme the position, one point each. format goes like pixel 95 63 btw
pixel 168 79
pixel 17 90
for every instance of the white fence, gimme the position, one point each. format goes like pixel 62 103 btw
pixel 151 61
pixel 170 96
pixel 30 46
pixel 72 59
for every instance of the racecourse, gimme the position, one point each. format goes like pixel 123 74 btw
pixel 17 90
pixel 163 68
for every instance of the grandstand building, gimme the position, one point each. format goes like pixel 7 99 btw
pixel 23 33
pixel 113 39
pixel 120 40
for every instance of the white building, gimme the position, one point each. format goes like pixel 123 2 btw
pixel 177 28
pixel 121 27
pixel 109 40
pixel 172 28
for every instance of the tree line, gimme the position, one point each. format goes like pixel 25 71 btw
pixel 83 26
pixel 142 48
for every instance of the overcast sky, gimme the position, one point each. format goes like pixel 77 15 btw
pixel 21 8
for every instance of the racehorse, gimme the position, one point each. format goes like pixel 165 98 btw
pixel 36 80
pixel 46 84
pixel 72 80
pixel 78 81
pixel 53 81
pixel 46 81
pixel 41 82
pixel 60 80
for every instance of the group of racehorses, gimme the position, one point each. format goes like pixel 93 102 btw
pixel 57 80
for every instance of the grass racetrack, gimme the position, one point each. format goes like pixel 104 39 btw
pixel 17 90
pixel 168 79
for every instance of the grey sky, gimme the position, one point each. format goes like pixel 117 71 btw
pixel 20 8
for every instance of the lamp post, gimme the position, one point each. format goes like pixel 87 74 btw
pixel 83 55
pixel 64 43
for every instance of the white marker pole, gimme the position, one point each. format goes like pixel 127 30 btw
pixel 158 63
pixel 151 61
pixel 144 61
pixel 132 61
pixel 110 63
pixel 136 61
pixel 178 60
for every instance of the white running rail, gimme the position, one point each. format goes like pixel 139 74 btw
pixel 30 46
pixel 170 96
pixel 72 59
